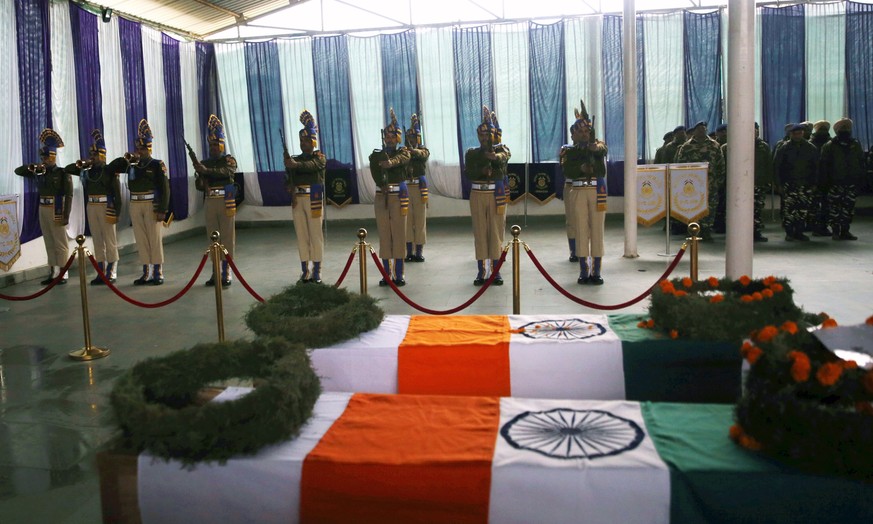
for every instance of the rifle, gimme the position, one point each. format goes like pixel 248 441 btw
pixel 284 144
pixel 198 182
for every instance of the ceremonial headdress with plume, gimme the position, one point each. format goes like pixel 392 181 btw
pixel 215 130
pixel 144 135
pixel 495 128
pixel 310 129
pixel 51 141
pixel 98 147
pixel 486 127
pixel 414 127
pixel 393 127
pixel 582 118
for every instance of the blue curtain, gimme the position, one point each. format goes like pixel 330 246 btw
pixel 130 35
pixel 613 99
pixel 547 91
pixel 330 59
pixel 34 77
pixel 207 85
pixel 265 105
pixel 177 156
pixel 859 69
pixel 89 96
pixel 399 77
pixel 783 70
pixel 474 86
pixel 702 44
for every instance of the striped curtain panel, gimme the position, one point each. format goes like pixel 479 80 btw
pixel 663 43
pixel 783 72
pixel 369 116
pixel 547 85
pixel 510 44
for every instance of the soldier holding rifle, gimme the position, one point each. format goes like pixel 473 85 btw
pixel 55 201
pixel 416 221
pixel 215 177
pixel 304 176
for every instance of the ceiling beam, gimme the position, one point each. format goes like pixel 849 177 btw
pixel 220 9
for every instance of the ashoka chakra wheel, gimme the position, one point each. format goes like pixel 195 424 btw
pixel 562 329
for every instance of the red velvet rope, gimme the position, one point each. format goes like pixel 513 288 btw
pixel 423 309
pixel 170 300
pixel 240 277
pixel 346 269
pixel 585 303
pixel 46 289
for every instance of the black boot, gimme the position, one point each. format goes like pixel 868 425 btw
pixel 409 256
pixel 158 275
pixel 386 264
pixel 144 279
pixel 498 281
pixel 398 272
pixel 480 276
pixel 845 235
pixel 596 279
pixel 583 271
pixel 573 257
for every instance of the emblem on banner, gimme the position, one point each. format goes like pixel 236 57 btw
pixel 651 194
pixel 688 192
pixel 10 242
pixel 542 187
pixel 338 189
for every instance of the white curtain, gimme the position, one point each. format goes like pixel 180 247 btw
pixel 368 114
pixel 10 118
pixel 825 61
pixel 233 94
pixel 439 122
pixel 664 64
pixel 114 114
pixel 511 59
pixel 583 62
pixel 759 110
pixel 191 117
pixel 298 86
pixel 725 93
pixel 156 94
pixel 65 119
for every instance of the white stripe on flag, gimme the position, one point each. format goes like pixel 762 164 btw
pixel 537 477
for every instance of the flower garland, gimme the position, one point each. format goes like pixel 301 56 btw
pixel 315 316
pixel 154 402
pixel 721 309
pixel 804 405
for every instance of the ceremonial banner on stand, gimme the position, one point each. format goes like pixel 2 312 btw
pixel 541 182
pixel 651 193
pixel 689 196
pixel 337 187
pixel 10 241
pixel 517 188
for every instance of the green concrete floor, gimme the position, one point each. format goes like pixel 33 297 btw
pixel 54 412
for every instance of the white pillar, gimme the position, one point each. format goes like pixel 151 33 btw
pixel 629 54
pixel 741 139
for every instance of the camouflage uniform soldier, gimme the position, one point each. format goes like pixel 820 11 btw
pixel 416 222
pixel 305 182
pixel 55 202
pixel 669 156
pixel 820 208
pixel 720 222
pixel 763 181
pixel 103 189
pixel 660 157
pixel 215 177
pixel 388 167
pixel 796 168
pixel 701 148
pixel 842 168
pixel 785 139
pixel 584 164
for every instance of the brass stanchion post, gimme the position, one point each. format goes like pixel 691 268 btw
pixel 88 352
pixel 516 271
pixel 216 277
pixel 362 258
pixel 693 230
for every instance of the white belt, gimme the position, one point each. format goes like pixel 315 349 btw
pixel 46 201
pixel 482 187
pixel 303 190
pixel 98 199
pixel 142 196
pixel 412 182
pixel 392 188
pixel 215 192
pixel 584 183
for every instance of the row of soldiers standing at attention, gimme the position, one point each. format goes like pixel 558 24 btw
pixel 817 176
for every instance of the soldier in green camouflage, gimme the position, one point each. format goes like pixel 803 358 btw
pixel 820 208
pixel 659 153
pixel 842 169
pixel 701 148
pixel 763 180
pixel 796 169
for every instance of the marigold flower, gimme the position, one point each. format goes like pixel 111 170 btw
pixel 757 296
pixel 735 431
pixel 650 323
pixel 715 299
pixel 789 326
pixel 674 334
pixel 746 298
pixel 754 354
pixel 679 293
pixel 641 324
pixel 769 280
pixel 713 283
pixel 750 443
pixel 776 287
pixel 687 282
pixel 667 287
pixel 746 347
pixel 869 320
pixel 867 380
pixel 767 293
pixel 801 367
pixel 766 334
pixel 849 364
pixel 828 374
pixel 829 323
pixel 745 280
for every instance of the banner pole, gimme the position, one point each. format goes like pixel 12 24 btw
pixel 668 195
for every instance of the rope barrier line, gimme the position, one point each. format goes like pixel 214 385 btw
pixel 348 265
pixel 137 303
pixel 593 305
pixel 240 277
pixel 429 311
pixel 47 288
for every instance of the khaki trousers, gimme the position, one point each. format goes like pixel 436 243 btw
pixel 589 221
pixel 102 233
pixel 146 232
pixel 310 235
pixel 569 211
pixel 217 220
pixel 57 247
pixel 391 225
pixel 416 221
pixel 487 225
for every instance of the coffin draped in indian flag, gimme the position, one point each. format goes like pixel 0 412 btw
pixel 424 458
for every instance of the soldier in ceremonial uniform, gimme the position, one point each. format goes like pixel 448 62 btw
pixel 501 179
pixel 55 189
pixel 305 182
pixel 584 164
pixel 701 148
pixel 103 190
pixel 388 167
pixel 820 209
pixel 480 169
pixel 416 221
pixel 796 168
pixel 149 203
pixel 215 176
pixel 842 169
